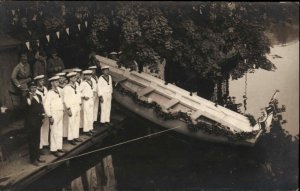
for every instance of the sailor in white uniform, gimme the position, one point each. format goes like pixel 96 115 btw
pixel 78 76
pixel 42 91
pixel 94 79
pixel 72 101
pixel 62 83
pixel 105 91
pixel 78 84
pixel 54 110
pixel 87 94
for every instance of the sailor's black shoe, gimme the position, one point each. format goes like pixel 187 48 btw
pixel 78 140
pixel 41 160
pixel 72 142
pixel 57 154
pixel 61 151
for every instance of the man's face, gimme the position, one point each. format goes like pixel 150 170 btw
pixel 32 89
pixel 88 76
pixel 24 60
pixel 93 71
pixel 54 83
pixel 54 55
pixel 41 82
pixel 78 76
pixel 105 71
pixel 62 79
pixel 73 79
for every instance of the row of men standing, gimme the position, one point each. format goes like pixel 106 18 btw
pixel 66 107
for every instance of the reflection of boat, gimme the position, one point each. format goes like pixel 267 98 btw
pixel 172 107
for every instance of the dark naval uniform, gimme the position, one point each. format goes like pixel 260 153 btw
pixel 33 122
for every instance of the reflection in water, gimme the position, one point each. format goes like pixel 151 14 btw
pixel 262 83
pixel 100 177
pixel 283 33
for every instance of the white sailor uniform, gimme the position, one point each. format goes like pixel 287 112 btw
pixel 105 90
pixel 65 118
pixel 88 105
pixel 94 79
pixel 78 85
pixel 54 107
pixel 72 101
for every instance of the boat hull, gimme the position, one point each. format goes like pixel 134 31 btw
pixel 177 125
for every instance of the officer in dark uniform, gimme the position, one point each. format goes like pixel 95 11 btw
pixel 33 122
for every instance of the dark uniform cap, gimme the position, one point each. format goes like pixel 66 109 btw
pixel 31 83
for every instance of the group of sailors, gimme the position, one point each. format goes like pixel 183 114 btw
pixel 70 104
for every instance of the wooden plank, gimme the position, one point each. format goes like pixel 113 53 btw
pixel 196 114
pixel 145 91
pixel 170 103
pixel 117 78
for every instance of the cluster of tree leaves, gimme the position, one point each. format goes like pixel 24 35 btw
pixel 211 39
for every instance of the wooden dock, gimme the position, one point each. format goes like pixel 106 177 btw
pixel 19 173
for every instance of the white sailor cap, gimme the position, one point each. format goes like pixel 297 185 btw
pixel 113 53
pixel 87 72
pixel 39 77
pixel 93 67
pixel 77 70
pixel 104 67
pixel 54 78
pixel 61 74
pixel 71 74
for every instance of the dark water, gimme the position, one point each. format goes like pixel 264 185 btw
pixel 168 162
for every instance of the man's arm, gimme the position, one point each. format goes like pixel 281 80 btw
pixel 14 76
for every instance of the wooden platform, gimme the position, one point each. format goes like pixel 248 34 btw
pixel 18 180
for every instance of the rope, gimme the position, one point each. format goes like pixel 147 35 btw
pixel 87 153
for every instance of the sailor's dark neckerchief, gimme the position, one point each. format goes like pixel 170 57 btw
pixel 105 79
pixel 90 83
pixel 74 88
pixel 42 90
pixel 56 91
pixel 95 78
pixel 60 86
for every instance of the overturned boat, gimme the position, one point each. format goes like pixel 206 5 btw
pixel 174 108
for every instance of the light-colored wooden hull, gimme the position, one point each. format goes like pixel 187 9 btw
pixel 173 99
pixel 179 126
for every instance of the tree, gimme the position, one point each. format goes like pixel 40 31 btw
pixel 212 40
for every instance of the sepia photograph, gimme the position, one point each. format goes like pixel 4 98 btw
pixel 149 95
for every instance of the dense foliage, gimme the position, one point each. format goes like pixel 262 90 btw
pixel 211 39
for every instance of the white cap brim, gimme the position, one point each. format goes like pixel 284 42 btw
pixel 54 78
pixel 104 67
pixel 39 77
